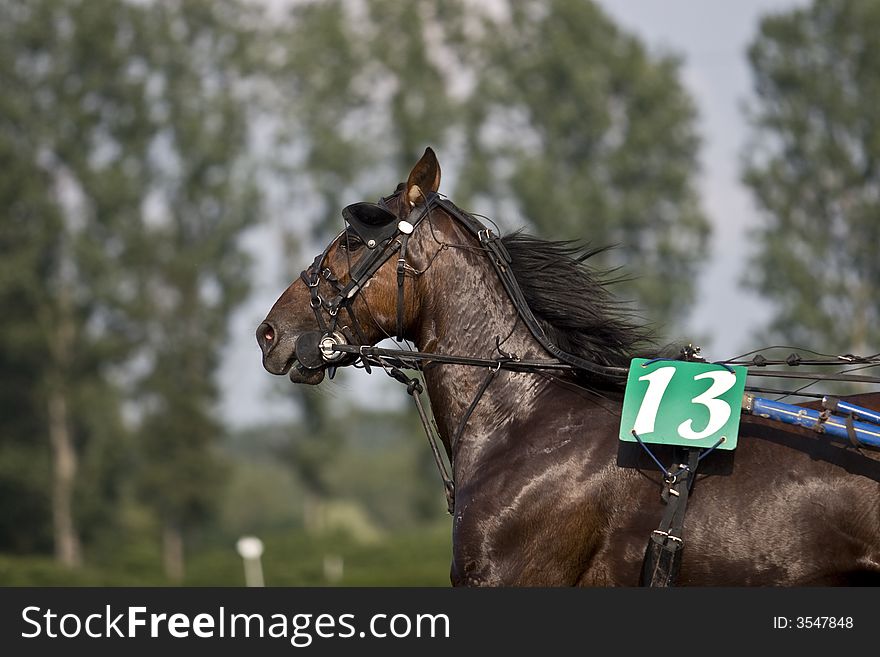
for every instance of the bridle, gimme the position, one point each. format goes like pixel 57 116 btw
pixel 383 236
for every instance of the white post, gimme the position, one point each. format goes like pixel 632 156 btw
pixel 251 549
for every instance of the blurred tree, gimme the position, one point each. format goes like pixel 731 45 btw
pixel 543 112
pixel 124 140
pixel 814 167
pixel 590 137
pixel 27 224
pixel 364 103
pixel 316 439
pixel 387 467
pixel 70 141
pixel 203 197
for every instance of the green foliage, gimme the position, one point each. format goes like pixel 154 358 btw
pixel 62 208
pixel 197 272
pixel 813 168
pixel 386 465
pixel 598 138
pixel 364 102
pixel 124 138
pixel 377 462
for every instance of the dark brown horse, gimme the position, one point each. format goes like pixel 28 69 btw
pixel 539 497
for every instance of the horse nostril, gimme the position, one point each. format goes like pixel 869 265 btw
pixel 265 336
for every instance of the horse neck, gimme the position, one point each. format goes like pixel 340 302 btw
pixel 466 311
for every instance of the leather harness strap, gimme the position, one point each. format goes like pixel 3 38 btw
pixel 500 259
pixel 401 279
pixel 662 560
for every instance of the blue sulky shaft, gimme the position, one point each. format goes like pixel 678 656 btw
pixel 840 406
pixel 835 425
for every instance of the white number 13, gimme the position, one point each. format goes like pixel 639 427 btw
pixel 719 410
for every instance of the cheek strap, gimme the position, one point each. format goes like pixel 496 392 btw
pixel 401 279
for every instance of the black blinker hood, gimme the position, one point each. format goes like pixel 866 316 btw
pixel 370 222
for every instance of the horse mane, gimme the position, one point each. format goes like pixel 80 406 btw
pixel 571 300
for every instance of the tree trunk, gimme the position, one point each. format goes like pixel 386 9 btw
pixel 172 552
pixel 67 547
pixel 64 462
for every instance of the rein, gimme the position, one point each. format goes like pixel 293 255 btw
pixel 411 360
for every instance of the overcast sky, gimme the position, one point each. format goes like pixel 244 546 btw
pixel 711 36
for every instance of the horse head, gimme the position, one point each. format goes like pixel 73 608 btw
pixel 356 291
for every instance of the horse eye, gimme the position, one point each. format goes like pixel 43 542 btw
pixel 350 243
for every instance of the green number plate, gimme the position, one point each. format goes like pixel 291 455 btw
pixel 679 403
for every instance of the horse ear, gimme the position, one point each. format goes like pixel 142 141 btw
pixel 424 178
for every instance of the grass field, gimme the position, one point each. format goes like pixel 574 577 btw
pixel 417 558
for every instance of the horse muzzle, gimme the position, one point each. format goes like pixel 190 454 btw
pixel 305 357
